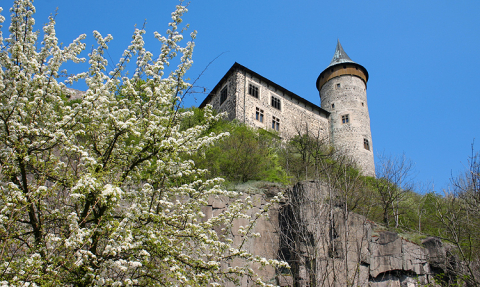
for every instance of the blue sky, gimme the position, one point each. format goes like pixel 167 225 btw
pixel 421 56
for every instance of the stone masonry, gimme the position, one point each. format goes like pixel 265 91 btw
pixel 342 120
pixel 345 96
pixel 294 115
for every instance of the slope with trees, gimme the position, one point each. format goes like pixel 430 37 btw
pixel 459 216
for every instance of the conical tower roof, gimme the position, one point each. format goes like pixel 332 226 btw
pixel 340 56
pixel 333 70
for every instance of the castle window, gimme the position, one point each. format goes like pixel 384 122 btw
pixel 223 95
pixel 253 91
pixel 275 123
pixel 338 85
pixel 333 106
pixel 366 144
pixel 363 104
pixel 345 119
pixel 276 102
pixel 259 115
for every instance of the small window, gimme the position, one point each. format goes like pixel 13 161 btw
pixel 363 104
pixel 338 86
pixel 333 106
pixel 223 95
pixel 259 115
pixel 344 66
pixel 275 123
pixel 253 91
pixel 345 119
pixel 366 144
pixel 276 102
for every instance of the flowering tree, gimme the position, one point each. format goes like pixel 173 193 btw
pixel 97 191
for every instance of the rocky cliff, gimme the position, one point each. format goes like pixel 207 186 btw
pixel 326 245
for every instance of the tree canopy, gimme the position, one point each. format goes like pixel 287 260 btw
pixel 97 192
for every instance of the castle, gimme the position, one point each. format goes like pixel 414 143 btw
pixel 342 120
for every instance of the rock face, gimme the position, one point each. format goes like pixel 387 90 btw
pixel 326 245
pixel 73 94
pixel 266 245
pixel 397 261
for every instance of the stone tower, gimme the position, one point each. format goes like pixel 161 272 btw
pixel 343 93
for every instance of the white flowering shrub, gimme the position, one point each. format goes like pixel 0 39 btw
pixel 97 192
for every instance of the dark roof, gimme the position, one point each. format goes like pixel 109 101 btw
pixel 237 66
pixel 340 56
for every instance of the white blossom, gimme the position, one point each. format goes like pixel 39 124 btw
pixel 97 191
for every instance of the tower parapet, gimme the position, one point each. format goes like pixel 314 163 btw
pixel 343 93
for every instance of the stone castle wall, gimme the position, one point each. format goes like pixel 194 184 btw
pixel 343 95
pixel 346 96
pixel 229 105
pixel 294 117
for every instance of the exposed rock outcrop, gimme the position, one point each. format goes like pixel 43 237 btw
pixel 329 246
pixel 74 94
pixel 326 245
